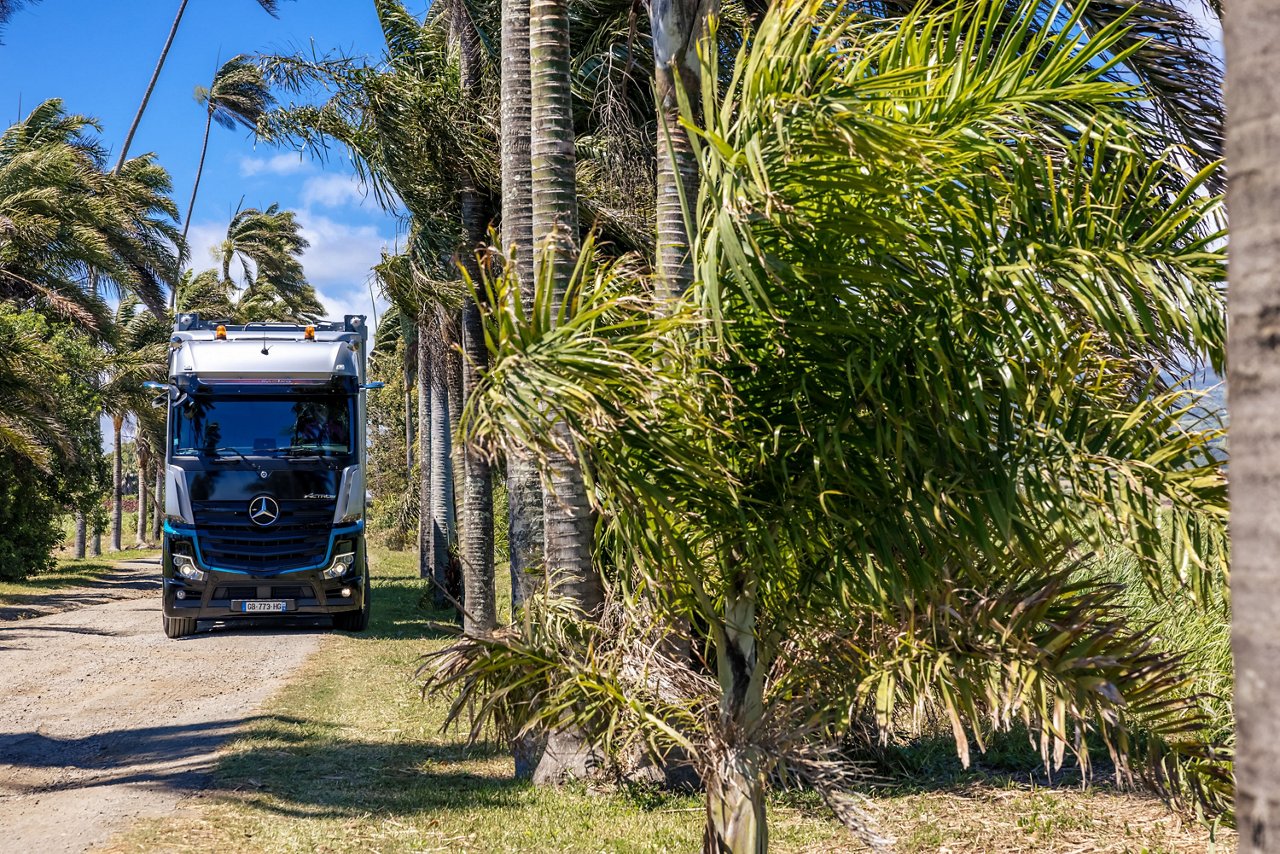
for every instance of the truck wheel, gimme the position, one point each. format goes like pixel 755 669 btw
pixel 179 627
pixel 355 621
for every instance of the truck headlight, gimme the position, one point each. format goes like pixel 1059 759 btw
pixel 341 564
pixel 184 566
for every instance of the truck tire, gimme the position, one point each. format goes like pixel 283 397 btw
pixel 179 627
pixel 355 621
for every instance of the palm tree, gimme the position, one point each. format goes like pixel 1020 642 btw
pixel 872 450
pixel 237 96
pixel 1253 390
pixel 269 6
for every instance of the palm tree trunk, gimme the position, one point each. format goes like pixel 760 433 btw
pixel 151 86
pixel 566 513
pixel 409 436
pixel 480 615
pixel 195 188
pixel 117 484
pixel 1252 28
pixel 736 820
pixel 524 486
pixel 441 466
pixel 525 531
pixel 143 508
pixel 678 26
pixel 424 451
pixel 452 355
pixel 157 500
pixel 81 528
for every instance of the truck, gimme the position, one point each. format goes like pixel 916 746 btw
pixel 264 494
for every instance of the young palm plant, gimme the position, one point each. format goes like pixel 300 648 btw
pixel 916 385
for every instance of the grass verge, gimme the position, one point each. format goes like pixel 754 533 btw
pixel 67 575
pixel 349 757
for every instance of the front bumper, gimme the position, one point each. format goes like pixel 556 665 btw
pixel 223 596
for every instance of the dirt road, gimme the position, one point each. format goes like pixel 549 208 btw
pixel 103 720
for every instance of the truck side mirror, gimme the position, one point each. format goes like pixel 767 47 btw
pixel 152 385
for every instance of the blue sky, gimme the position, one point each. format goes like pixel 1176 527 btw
pixel 97 55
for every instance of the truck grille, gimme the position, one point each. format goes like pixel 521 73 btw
pixel 228 540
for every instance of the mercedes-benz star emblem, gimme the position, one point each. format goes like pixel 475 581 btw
pixel 263 510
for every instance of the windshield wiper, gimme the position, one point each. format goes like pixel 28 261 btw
pixel 308 452
pixel 217 452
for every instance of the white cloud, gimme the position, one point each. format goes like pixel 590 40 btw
pixel 204 238
pixel 332 190
pixel 340 254
pixel 339 262
pixel 285 163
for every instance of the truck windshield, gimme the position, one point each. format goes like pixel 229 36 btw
pixel 263 426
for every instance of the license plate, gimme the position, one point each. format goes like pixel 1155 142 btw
pixel 268 606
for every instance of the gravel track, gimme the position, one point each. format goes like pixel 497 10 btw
pixel 104 720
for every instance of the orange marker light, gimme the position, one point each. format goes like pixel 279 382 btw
pixel 220 333
pixel 310 333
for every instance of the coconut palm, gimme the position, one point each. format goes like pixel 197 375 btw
pixel 873 450
pixel 268 6
pixel 237 96
pixel 1254 391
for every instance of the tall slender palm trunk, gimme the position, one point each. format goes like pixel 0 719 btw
pixel 195 188
pixel 408 333
pixel 1253 387
pixel 157 500
pixel 525 530
pixel 451 338
pixel 424 451
pixel 441 467
pixel 151 86
pixel 566 512
pixel 524 486
pixel 479 594
pixel 678 26
pixel 117 483
pixel 81 529
pixel 144 509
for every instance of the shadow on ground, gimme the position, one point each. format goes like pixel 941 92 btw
pixel 173 757
pixel 50 594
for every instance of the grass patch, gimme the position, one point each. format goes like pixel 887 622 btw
pixel 349 757
pixel 68 574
